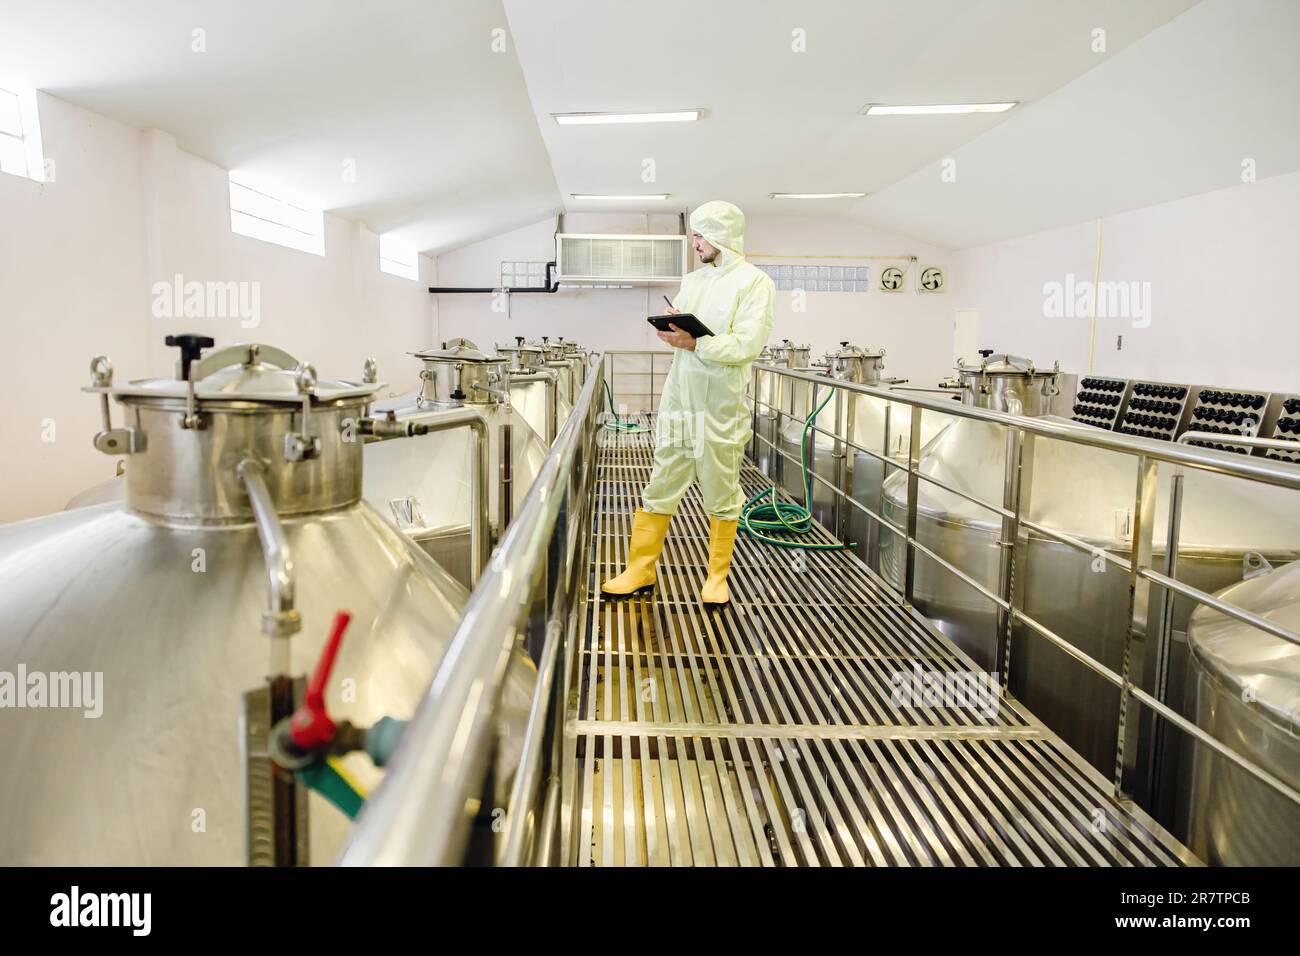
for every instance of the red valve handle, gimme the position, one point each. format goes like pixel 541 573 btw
pixel 311 728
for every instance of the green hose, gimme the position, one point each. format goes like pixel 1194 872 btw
pixel 618 425
pixel 756 517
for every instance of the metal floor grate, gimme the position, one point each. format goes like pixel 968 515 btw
pixel 769 733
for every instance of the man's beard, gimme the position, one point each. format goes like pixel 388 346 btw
pixel 708 257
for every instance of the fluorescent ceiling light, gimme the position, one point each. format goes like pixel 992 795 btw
pixel 655 196
pixel 674 116
pixel 876 109
pixel 816 195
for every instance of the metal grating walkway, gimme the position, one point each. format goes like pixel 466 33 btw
pixel 768 733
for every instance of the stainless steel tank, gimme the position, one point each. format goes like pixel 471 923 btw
pixel 863 419
pixel 1087 493
pixel 1244 689
pixel 558 356
pixel 1007 383
pixel 191 608
pixel 535 389
pixel 790 397
pixel 425 484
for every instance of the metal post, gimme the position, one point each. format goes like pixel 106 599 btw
pixel 1138 589
pixel 505 494
pixel 480 513
pixel 1160 634
pixel 753 419
pixel 1015 485
pixel 778 432
pixel 849 456
pixel 808 461
pixel 913 490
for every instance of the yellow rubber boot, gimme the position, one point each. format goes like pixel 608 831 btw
pixel 648 533
pixel 722 538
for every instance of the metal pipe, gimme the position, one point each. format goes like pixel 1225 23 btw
pixel 421 814
pixel 913 495
pixel 281 619
pixel 518 827
pixel 1265 470
pixel 500 393
pixel 552 285
pixel 480 542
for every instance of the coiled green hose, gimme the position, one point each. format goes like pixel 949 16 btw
pixel 618 425
pixel 758 516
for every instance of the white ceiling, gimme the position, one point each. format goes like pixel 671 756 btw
pixel 454 142
pixel 445 146
pixel 785 121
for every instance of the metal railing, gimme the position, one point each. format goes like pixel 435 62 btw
pixel 425 810
pixel 1021 434
pixel 636 377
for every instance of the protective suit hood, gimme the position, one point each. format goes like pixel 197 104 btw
pixel 722 224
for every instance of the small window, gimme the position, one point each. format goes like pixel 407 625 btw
pixel 398 258
pixel 20 138
pixel 819 278
pixel 258 215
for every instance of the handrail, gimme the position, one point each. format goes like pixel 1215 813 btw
pixel 1207 459
pixel 422 812
pixel 1142 576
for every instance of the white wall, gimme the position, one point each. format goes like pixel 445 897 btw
pixel 1221 268
pixel 915 329
pixel 78 260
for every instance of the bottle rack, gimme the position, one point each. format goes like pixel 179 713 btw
pixel 1287 428
pixel 1227 413
pixel 1099 400
pixel 1154 410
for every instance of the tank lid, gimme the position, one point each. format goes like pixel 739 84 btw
pixel 521 345
pixel 852 351
pixel 1264 670
pixel 457 353
pixel 1002 363
pixel 248 372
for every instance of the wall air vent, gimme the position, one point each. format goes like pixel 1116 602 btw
pixel 637 259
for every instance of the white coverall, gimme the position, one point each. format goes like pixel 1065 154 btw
pixel 703 423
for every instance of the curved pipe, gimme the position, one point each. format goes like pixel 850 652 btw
pixel 281 618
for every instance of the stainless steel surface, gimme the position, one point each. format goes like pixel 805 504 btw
pixel 424 811
pixel 1086 494
pixel 434 484
pixel 769 734
pixel 168 618
pixel 461 376
pixel 1228 512
pixel 536 396
pixel 523 356
pixel 1245 691
pixel 852 364
pixel 1008 383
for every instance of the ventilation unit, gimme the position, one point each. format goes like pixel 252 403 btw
pixel 623 259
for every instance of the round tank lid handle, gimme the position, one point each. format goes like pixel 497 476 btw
pixel 311 727
pixel 985 353
pixel 844 344
pixel 191 347
pixel 519 340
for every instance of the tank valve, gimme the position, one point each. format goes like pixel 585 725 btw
pixel 308 742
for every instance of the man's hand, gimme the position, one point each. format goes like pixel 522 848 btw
pixel 678 339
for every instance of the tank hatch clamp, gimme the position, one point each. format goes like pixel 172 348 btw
pixel 109 440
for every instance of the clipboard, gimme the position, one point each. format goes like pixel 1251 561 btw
pixel 687 322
